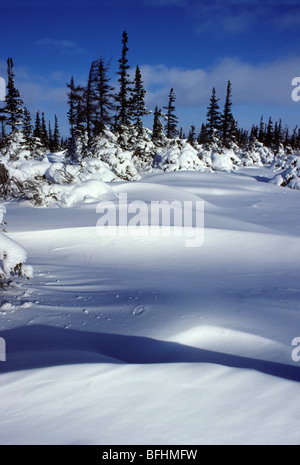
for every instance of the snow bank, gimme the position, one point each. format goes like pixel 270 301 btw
pixel 86 192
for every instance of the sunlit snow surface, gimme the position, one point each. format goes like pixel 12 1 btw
pixel 142 340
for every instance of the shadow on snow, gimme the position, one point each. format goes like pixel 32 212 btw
pixel 32 347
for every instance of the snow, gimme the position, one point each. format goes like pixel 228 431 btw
pixel 142 340
pixel 12 255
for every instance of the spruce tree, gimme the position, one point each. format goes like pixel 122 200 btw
pixel 13 109
pixel 213 117
pixel 28 130
pixel 192 136
pixel 3 133
pixel 227 120
pixel 37 127
pixel 89 99
pixel 56 137
pixel 261 134
pixel 50 137
pixel 203 135
pixel 269 138
pixel 138 106
pixel 104 98
pixel 172 121
pixel 75 99
pixel 278 135
pixel 123 96
pixel 158 129
pixel 44 133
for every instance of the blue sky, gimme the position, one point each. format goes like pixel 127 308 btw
pixel 190 45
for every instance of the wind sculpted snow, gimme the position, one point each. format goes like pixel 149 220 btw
pixel 139 340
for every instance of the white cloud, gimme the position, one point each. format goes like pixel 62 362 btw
pixel 268 83
pixel 61 45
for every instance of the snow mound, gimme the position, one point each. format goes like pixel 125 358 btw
pixel 86 192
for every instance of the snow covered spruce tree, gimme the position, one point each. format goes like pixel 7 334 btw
pixel 12 115
pixel 14 105
pixel 158 135
pixel 172 121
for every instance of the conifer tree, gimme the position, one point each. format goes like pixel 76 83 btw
pixel 75 99
pixel 104 98
pixel 269 137
pixel 227 120
pixel 138 106
pixel 3 133
pixel 28 130
pixel 158 128
pixel 56 137
pixel 192 136
pixel 44 133
pixel 261 134
pixel 171 125
pixel 89 99
pixel 213 117
pixel 278 134
pixel 13 109
pixel 203 135
pixel 50 137
pixel 37 126
pixel 123 96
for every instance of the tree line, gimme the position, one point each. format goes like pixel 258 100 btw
pixel 98 106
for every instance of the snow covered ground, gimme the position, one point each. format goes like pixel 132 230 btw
pixel 142 340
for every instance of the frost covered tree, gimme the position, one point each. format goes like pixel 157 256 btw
pixel 123 117
pixel 14 105
pixel 172 121
pixel 158 136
